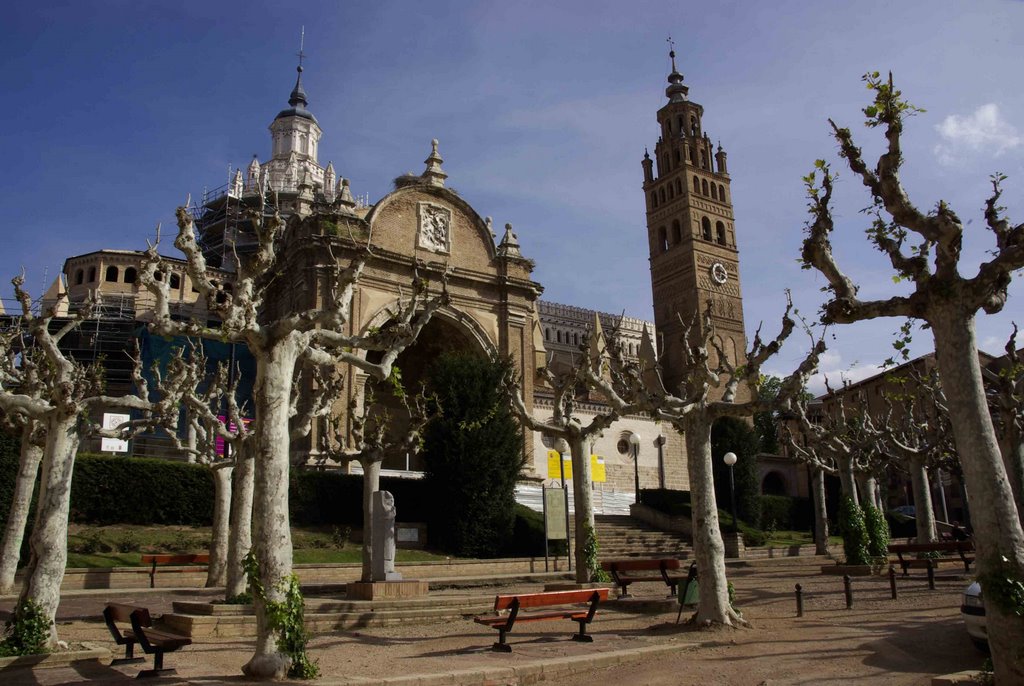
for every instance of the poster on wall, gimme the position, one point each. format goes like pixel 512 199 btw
pixel 598 473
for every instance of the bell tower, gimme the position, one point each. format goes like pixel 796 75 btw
pixel 690 232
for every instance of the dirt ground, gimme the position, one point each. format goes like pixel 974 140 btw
pixel 879 641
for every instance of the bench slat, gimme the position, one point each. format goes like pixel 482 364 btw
pixel 504 602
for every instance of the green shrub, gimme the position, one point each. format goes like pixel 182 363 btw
pixel 27 631
pixel 854 533
pixel 527 539
pixel 878 532
pixel 666 500
pixel 788 513
pixel 135 490
pixel 473 454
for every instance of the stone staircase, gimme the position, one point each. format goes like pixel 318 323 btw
pixel 622 536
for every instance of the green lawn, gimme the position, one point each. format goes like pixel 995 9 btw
pixel 124 545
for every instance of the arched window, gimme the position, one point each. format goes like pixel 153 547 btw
pixel 721 192
pixel 575 339
pixel 671 192
pixel 111 274
pixel 547 334
pixel 92 274
pixel 679 155
pixel 175 281
pixel 130 274
pixel 662 240
pixel 679 124
pixel 679 187
pixel 720 232
pixel 693 157
pixel 677 234
pixel 558 334
pixel 705 226
pixel 714 192
pixel 704 187
pixel 661 194
pixel 654 199
pixel 158 275
pixel 696 185
pixel 693 127
pixel 79 277
pixel 703 160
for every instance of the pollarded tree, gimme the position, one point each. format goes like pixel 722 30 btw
pixel 915 432
pixel 1005 383
pixel 705 366
pixel 279 341
pixel 67 394
pixel 19 371
pixel 924 249
pixel 566 423
pixel 377 431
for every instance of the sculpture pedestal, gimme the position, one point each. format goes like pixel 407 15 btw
pixel 375 590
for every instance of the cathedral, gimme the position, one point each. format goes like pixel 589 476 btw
pixel 422 226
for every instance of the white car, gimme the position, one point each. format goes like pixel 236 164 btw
pixel 973 611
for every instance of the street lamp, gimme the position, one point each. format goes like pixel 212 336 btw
pixel 730 459
pixel 562 446
pixel 634 441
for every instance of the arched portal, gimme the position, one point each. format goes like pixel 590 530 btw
pixel 443 334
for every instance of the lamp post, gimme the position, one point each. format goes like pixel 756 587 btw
pixel 562 446
pixel 730 460
pixel 634 442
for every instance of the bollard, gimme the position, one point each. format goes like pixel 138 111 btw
pixel 931 576
pixel 892 581
pixel 799 601
pixel 849 591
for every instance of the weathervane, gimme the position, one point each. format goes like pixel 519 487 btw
pixel 302 42
pixel 672 51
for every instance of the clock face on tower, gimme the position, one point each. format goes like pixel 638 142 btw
pixel 719 274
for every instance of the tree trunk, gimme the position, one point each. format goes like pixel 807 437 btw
pixel 1013 457
pixel 371 484
pixel 708 547
pixel 240 540
pixel 868 487
pixel 998 535
pixel 583 503
pixel 820 514
pixel 846 481
pixel 216 573
pixel 272 540
pixel 17 516
pixel 924 513
pixel 49 540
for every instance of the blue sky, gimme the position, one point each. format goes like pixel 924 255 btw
pixel 114 111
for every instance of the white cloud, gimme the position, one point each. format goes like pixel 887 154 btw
pixel 832 367
pixel 982 130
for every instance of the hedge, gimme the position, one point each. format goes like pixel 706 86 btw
pixel 787 512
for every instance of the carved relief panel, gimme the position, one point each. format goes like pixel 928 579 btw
pixel 435 228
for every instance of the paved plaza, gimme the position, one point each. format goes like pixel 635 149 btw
pixel 906 641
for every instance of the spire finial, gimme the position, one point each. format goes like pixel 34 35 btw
pixel 434 175
pixel 298 96
pixel 676 91
pixel 672 51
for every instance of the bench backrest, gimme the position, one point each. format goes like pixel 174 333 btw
pixel 939 546
pixel 119 612
pixel 550 598
pixel 637 565
pixel 198 558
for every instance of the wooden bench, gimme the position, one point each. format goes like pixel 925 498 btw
pixel 560 600
pixel 155 560
pixel 961 548
pixel 620 571
pixel 153 641
pixel 117 613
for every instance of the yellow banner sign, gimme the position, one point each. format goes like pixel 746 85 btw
pixel 597 467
